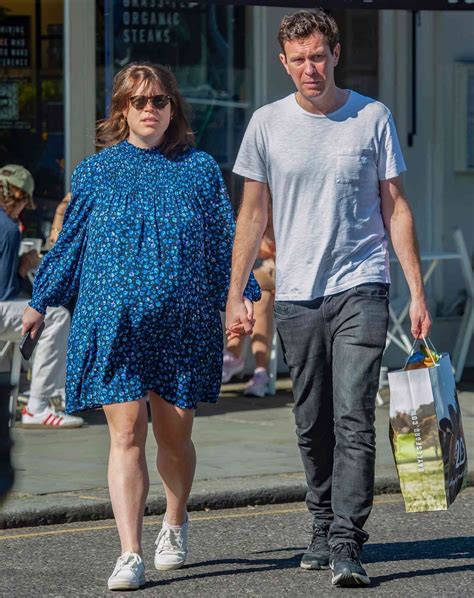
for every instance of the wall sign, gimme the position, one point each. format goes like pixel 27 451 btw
pixel 15 42
pixel 154 30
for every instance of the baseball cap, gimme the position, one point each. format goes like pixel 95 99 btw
pixel 17 175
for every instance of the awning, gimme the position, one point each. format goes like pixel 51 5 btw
pixel 382 4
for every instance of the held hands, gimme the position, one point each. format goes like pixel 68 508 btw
pixel 239 318
pixel 420 318
pixel 31 320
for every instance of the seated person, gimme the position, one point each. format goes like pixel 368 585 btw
pixel 49 366
pixel 261 339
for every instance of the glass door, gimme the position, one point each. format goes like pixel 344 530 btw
pixel 31 100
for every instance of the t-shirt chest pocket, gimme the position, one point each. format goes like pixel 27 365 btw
pixel 353 168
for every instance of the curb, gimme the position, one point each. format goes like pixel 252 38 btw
pixel 207 495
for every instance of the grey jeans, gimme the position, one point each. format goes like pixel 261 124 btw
pixel 333 346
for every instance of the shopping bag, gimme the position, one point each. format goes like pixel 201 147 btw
pixel 427 436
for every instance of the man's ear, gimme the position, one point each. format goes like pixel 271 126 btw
pixel 337 53
pixel 282 58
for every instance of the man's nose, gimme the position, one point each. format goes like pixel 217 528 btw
pixel 309 67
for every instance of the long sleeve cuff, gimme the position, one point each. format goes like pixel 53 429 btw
pixel 252 290
pixel 38 305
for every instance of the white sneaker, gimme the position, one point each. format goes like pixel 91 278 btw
pixel 171 547
pixel 231 366
pixel 257 386
pixel 129 573
pixel 49 419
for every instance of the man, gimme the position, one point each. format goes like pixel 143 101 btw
pixel 331 161
pixel 49 366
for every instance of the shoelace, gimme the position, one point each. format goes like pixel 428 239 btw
pixel 168 539
pixel 346 551
pixel 319 537
pixel 127 560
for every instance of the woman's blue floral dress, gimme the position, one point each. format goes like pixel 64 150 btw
pixel 146 244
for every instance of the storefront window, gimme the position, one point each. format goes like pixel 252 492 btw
pixel 358 66
pixel 31 100
pixel 204 45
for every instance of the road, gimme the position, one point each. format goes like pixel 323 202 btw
pixel 250 552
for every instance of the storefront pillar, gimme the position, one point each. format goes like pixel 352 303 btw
pixel 79 82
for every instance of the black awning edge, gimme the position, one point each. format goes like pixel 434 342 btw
pixel 373 4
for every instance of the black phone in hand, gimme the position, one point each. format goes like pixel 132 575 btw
pixel 28 344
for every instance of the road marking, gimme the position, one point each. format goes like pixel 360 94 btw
pixel 156 519
pixel 148 523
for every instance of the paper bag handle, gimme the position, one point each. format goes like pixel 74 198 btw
pixel 426 341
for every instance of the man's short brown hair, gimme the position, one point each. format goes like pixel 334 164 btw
pixel 304 23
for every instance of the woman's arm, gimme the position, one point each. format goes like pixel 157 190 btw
pixel 57 279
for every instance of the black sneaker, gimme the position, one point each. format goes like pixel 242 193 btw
pixel 347 570
pixel 317 553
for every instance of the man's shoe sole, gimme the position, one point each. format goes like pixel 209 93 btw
pixel 169 567
pixel 350 580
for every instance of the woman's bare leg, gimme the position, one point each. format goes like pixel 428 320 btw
pixel 176 460
pixel 263 329
pixel 128 473
pixel 234 346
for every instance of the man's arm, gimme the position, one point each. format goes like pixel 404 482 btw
pixel 251 224
pixel 400 226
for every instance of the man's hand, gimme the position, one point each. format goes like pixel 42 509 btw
pixel 31 320
pixel 239 318
pixel 420 318
pixel 28 261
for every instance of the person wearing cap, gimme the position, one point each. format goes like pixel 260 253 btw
pixel 49 365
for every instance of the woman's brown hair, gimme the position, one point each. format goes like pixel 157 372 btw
pixel 113 129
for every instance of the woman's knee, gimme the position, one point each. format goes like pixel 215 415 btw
pixel 128 424
pixel 128 438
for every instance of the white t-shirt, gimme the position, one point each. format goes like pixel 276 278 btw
pixel 323 172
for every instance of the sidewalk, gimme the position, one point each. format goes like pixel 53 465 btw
pixel 246 450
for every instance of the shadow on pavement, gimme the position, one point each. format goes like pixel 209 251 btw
pixel 439 548
pixel 244 566
pixel 381 579
pixel 425 550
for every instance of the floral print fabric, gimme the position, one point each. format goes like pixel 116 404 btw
pixel 146 244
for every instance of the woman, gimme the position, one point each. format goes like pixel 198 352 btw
pixel 146 243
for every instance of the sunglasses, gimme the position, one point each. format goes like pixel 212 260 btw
pixel 159 102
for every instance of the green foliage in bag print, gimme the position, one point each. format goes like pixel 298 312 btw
pixel 421 480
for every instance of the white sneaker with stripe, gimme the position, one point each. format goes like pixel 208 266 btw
pixel 49 419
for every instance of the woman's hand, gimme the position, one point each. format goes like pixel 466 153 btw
pixel 31 320
pixel 239 320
